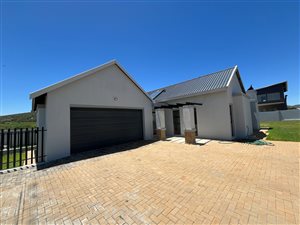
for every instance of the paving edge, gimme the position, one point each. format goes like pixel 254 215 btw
pixel 20 168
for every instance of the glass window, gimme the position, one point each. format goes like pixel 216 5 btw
pixel 262 98
pixel 274 96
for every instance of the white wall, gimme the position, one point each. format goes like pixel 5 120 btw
pixel 97 90
pixel 242 116
pixel 40 116
pixel 292 114
pixel 269 116
pixel 254 108
pixel 234 86
pixel 248 116
pixel 238 117
pixel 254 115
pixel 279 115
pixel 213 118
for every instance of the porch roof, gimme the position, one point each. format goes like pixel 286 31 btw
pixel 177 105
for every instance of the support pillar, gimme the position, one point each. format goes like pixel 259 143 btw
pixel 160 124
pixel 189 124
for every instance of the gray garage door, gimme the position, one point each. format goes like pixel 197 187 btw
pixel 93 128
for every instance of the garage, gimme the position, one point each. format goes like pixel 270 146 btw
pixel 99 107
pixel 93 128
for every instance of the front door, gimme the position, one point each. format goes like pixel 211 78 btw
pixel 195 115
pixel 176 121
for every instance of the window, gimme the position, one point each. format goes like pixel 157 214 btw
pixel 262 98
pixel 274 96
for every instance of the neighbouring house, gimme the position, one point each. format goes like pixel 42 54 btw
pixel 99 107
pixel 105 106
pixel 272 98
pixel 213 106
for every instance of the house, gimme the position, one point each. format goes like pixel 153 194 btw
pixel 105 106
pixel 99 107
pixel 213 106
pixel 272 98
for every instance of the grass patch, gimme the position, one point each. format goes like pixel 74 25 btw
pixel 283 130
pixel 13 124
pixel 11 159
pixel 21 120
pixel 20 117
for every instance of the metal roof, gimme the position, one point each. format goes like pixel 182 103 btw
pixel 284 84
pixel 206 83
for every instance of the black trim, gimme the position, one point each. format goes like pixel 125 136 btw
pixel 177 105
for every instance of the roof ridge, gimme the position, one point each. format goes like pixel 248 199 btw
pixel 271 85
pixel 192 79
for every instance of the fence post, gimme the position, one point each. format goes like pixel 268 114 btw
pixel 26 145
pixel 1 148
pixel 37 145
pixel 12 142
pixel 21 143
pixel 15 146
pixel 7 148
pixel 32 145
pixel 42 144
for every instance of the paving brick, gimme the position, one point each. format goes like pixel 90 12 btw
pixel 161 183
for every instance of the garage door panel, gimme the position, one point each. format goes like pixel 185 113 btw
pixel 94 128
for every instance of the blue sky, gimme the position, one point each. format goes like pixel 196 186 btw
pixel 158 43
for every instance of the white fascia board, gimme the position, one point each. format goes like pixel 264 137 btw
pixel 231 76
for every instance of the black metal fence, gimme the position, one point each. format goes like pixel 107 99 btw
pixel 19 147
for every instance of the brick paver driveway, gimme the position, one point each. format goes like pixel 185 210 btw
pixel 164 183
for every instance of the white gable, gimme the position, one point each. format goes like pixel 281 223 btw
pixel 84 75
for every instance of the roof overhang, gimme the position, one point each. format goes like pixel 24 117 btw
pixel 192 95
pixel 177 105
pixel 285 83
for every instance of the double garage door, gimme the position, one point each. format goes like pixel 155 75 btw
pixel 93 128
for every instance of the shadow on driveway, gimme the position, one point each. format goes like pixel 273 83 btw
pixel 95 153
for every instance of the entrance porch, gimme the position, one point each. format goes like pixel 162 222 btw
pixel 178 119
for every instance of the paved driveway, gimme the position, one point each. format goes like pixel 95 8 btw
pixel 161 183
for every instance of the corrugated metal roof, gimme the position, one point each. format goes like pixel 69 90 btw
pixel 204 83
